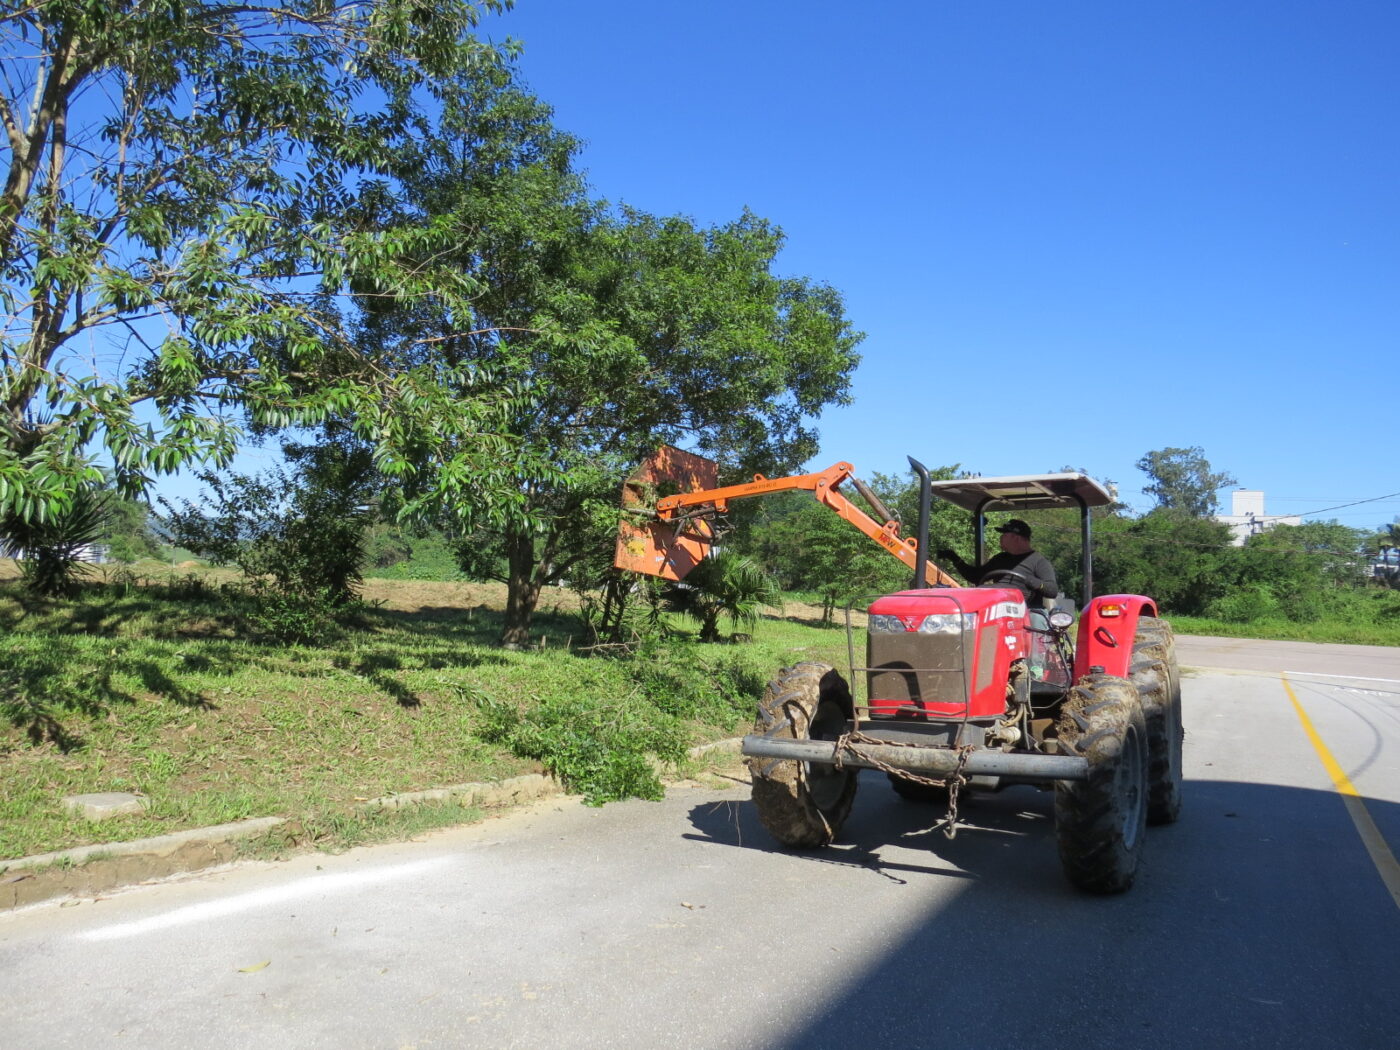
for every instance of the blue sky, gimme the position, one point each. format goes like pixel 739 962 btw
pixel 1073 232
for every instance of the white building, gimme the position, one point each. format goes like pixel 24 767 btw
pixel 1247 517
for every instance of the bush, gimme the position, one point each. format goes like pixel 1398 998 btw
pixel 598 746
pixel 724 585
pixel 305 532
pixel 681 679
pixel 297 618
pixel 1246 604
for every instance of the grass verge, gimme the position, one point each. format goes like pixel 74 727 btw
pixel 146 683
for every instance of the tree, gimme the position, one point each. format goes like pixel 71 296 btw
pixel 1300 566
pixel 821 553
pixel 129 535
pixel 182 216
pixel 625 331
pixel 1182 480
pixel 1179 560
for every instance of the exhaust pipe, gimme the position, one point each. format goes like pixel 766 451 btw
pixel 925 501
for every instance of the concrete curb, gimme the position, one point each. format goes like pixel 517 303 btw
pixel 492 794
pixel 91 870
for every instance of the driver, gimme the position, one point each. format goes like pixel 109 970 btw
pixel 1036 572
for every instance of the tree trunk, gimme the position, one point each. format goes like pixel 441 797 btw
pixel 709 625
pixel 522 590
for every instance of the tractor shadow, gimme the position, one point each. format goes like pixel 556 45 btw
pixel 899 839
pixel 1259 919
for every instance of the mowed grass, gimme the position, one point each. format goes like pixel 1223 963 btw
pixel 144 684
pixel 1348 632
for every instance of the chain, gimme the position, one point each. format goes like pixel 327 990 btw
pixel 954 781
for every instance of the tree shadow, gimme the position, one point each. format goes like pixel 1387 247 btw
pixel 38 692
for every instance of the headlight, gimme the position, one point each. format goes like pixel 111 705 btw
pixel 947 623
pixel 886 624
pixel 933 623
pixel 1061 619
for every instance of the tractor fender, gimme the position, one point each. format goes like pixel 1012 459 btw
pixel 1106 631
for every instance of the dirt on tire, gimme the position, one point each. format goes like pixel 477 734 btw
pixel 1101 822
pixel 803 805
pixel 1158 679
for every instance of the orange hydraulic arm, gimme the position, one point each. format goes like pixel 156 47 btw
pixel 677 540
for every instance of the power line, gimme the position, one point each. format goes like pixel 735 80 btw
pixel 1356 503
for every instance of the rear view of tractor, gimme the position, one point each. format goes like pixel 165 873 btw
pixel 963 687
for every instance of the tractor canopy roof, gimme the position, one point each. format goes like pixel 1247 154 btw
pixel 1024 492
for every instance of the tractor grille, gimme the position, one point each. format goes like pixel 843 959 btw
pixel 916 670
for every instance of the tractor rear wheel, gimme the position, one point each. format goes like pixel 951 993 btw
pixel 1155 673
pixel 1101 822
pixel 803 804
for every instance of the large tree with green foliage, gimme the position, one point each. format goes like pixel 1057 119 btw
pixel 1182 480
pixel 620 330
pixel 670 333
pixel 183 213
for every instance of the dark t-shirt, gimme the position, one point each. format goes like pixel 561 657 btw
pixel 1032 564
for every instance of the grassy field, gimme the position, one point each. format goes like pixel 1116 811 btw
pixel 146 685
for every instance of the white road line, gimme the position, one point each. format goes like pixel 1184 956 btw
pixel 309 887
pixel 1347 677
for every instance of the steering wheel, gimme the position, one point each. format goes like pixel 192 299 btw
pixel 1018 578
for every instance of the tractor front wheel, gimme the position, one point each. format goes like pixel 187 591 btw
pixel 1101 822
pixel 803 804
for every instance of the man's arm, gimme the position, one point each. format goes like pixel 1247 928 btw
pixel 1039 568
pixel 970 573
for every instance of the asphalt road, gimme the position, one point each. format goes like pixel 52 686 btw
pixel 1269 916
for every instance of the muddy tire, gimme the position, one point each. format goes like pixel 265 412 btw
pixel 803 804
pixel 1158 679
pixel 1101 822
pixel 916 791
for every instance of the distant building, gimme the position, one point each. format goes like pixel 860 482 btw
pixel 94 553
pixel 1247 517
pixel 1386 564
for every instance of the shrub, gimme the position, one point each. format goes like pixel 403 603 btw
pixel 1246 604
pixel 724 585
pixel 681 680
pixel 305 532
pixel 600 747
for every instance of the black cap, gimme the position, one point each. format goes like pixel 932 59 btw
pixel 1016 526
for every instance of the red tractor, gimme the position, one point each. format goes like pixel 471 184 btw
pixel 963 686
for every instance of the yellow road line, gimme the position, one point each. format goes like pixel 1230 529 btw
pixel 1371 837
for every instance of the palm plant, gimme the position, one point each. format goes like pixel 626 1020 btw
pixel 726 584
pixel 51 552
